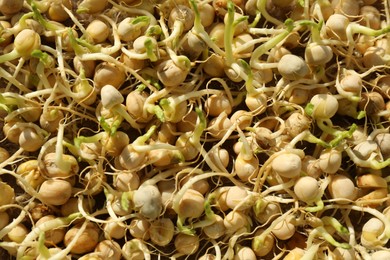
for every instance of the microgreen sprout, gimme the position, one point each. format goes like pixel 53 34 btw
pixel 91 6
pixel 47 226
pixel 38 16
pixel 25 43
pixel 260 50
pixel 131 28
pixel 112 100
pixel 322 232
pixel 199 30
pixel 231 25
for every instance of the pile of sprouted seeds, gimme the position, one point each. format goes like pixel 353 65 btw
pixel 195 129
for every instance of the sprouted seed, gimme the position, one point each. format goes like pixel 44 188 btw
pixel 189 129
